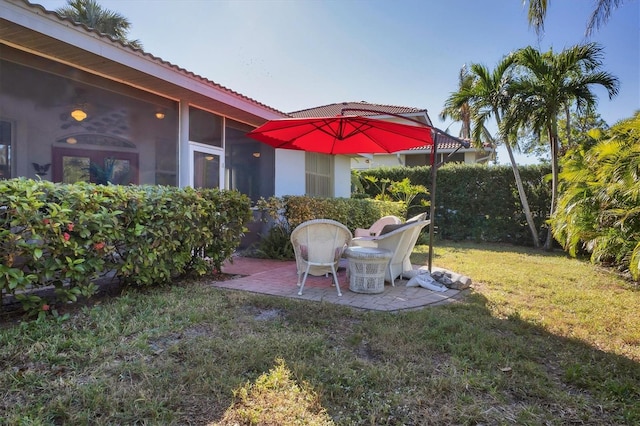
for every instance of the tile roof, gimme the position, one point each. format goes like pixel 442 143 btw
pixel 82 27
pixel 335 109
pixel 446 142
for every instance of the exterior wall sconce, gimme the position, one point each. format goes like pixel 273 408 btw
pixel 78 114
pixel 159 115
pixel 256 154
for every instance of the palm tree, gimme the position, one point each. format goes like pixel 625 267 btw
pixel 91 14
pixel 548 85
pixel 538 11
pixel 486 95
pixel 461 113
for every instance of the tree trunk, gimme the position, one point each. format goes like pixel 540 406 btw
pixel 523 196
pixel 521 193
pixel 553 139
pixel 568 130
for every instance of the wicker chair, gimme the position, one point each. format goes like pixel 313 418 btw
pixel 318 245
pixel 401 242
pixel 377 226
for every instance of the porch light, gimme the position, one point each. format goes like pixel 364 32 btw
pixel 72 141
pixel 256 154
pixel 209 157
pixel 78 114
pixel 159 115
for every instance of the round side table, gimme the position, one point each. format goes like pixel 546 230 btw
pixel 367 266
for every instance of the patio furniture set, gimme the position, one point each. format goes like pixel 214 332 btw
pixel 375 255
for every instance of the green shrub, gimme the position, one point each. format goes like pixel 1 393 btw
pixel 67 236
pixel 598 207
pixel 353 213
pixel 290 211
pixel 276 244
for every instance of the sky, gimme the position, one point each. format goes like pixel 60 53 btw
pixel 298 54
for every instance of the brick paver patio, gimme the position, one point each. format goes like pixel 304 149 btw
pixel 278 278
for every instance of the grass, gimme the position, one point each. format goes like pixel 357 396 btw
pixel 541 339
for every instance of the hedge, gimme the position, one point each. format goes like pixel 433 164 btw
pixel 68 236
pixel 477 202
pixel 290 211
pixel 353 213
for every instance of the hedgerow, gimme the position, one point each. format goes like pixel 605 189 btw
pixel 67 236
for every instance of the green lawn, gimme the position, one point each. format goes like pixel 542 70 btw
pixel 540 339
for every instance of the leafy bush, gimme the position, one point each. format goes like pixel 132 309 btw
pixel 353 213
pixel 290 211
pixel 67 236
pixel 276 244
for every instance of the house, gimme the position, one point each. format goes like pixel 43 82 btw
pixel 77 105
pixel 449 148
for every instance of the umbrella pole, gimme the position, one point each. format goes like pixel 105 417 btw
pixel 432 207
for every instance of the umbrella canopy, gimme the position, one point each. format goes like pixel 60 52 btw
pixel 343 134
pixel 350 134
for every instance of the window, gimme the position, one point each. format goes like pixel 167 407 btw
pixel 206 170
pixel 204 127
pixel 413 160
pixel 206 166
pixel 102 167
pixel 458 157
pixel 250 165
pixel 5 150
pixel 318 175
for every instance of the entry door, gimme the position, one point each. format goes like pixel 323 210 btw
pixel 207 164
pixel 83 165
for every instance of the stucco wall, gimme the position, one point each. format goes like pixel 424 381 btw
pixel 342 176
pixel 289 173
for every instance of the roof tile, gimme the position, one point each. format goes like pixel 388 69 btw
pixel 445 141
pixel 336 109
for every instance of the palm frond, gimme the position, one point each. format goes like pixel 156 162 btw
pixel 536 14
pixel 601 14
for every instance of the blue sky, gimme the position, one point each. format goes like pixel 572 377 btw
pixel 294 55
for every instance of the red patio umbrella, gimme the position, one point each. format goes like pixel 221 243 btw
pixel 342 134
pixel 353 134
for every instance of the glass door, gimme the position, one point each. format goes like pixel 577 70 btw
pixel 101 167
pixel 207 166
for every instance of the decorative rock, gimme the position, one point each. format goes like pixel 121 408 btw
pixel 462 283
